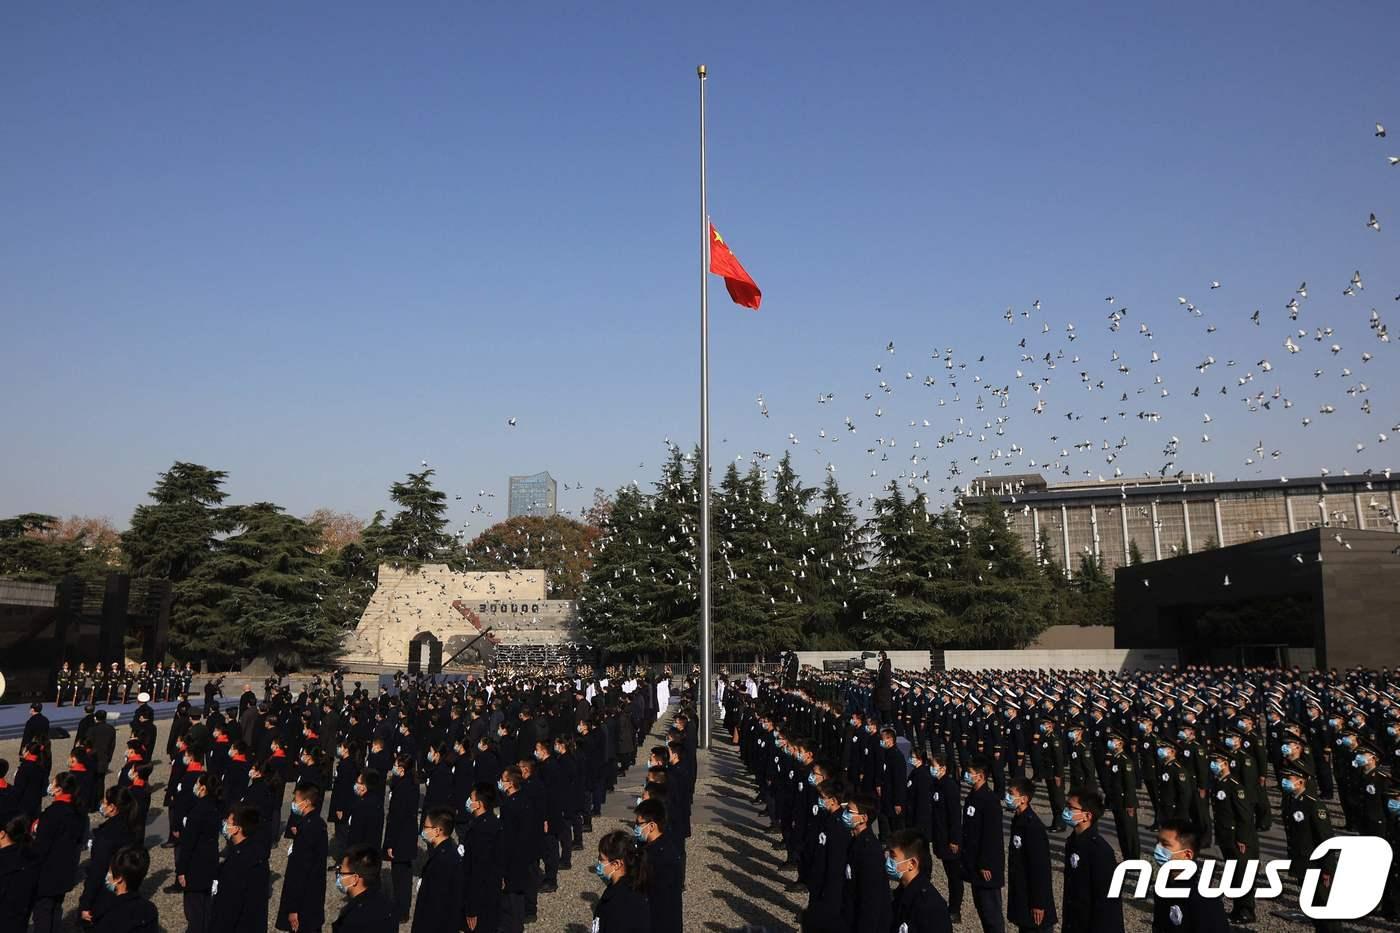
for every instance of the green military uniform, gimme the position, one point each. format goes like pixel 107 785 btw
pixel 1121 794
pixel 1051 765
pixel 1234 827
pixel 1175 788
pixel 1081 767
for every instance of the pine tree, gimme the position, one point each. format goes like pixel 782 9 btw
pixel 171 537
pixel 617 607
pixel 416 534
pixel 896 605
pixel 836 560
pixel 1134 553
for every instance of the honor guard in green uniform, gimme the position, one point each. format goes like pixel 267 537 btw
pixel 1234 824
pixel 1120 793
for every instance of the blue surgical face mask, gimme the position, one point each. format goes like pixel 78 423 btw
pixel 1067 817
pixel 1215 768
pixel 1232 743
pixel 598 869
pixel 1008 802
pixel 967 778
pixel 1181 735
pixel 423 834
pixel 637 833
pixel 1287 785
pixel 1162 754
pixel 1393 805
pixel 1112 745
pixel 111 885
pixel 848 819
pixel 1161 854
pixel 293 808
pixel 1286 749
pixel 225 831
pixel 812 779
pixel 359 790
pixel 891 868
pixel 501 786
pixel 340 884
pixel 1359 761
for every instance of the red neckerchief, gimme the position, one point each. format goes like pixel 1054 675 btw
pixel 77 766
pixel 194 766
pixel 278 753
pixel 238 756
pixel 61 797
pixel 137 782
pixel 221 740
pixel 30 756
pixel 3 784
pixel 312 735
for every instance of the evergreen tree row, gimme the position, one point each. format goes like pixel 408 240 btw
pixel 792 566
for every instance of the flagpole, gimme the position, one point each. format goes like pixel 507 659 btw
pixel 706 684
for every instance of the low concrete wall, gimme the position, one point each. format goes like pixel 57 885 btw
pixel 1111 659
pixel 1074 636
pixel 899 660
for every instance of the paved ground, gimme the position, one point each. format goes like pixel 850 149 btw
pixel 735 880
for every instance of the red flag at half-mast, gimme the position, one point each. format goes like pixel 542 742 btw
pixel 742 288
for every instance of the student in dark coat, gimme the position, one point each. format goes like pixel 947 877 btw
pixel 36 727
pixel 197 854
pixel 1030 900
pixel 947 830
pixel 438 905
pixel 119 830
pixel 365 824
pixel 343 797
pixel 1089 865
pixel 826 874
pixel 240 902
pixel 891 783
pixel 666 876
pixel 16 874
pixel 983 859
pixel 1177 840
pixel 59 834
pixel 125 910
pixel 520 831
pixel 916 906
pixel 483 861
pixel 302 906
pixel 401 834
pixel 623 908
pixel 865 898
pixel 31 781
pixel 367 909
pixel 258 794
pixel 918 811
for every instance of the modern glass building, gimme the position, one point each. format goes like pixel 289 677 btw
pixel 533 495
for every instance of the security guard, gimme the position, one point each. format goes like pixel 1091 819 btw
pixel 1177 841
pixel 1373 789
pixel 1234 825
pixel 916 906
pixel 1050 760
pixel 1089 865
pixel 1121 795
pixel 1195 762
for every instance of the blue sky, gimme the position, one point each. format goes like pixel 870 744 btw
pixel 316 244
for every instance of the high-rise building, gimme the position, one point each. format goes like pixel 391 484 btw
pixel 533 495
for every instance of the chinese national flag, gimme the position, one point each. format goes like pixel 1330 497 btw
pixel 742 288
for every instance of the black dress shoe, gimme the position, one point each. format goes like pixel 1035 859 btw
pixel 549 887
pixel 955 917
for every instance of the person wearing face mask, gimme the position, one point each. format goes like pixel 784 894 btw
pixel 1089 865
pixel 241 889
pixel 302 905
pixel 1373 787
pixel 1174 790
pixel 1177 840
pixel 197 854
pixel 1051 760
pixel 891 787
pixel 401 833
pixel 365 822
pixel 556 822
pixel 918 794
pixel 487 763
pixel 947 830
pixel 915 906
pixel 1082 772
pixel 865 898
pixel 58 842
pixel 367 909
pixel 982 856
pixel 663 861
pixel 1251 745
pixel 1030 899
pixel 1120 795
pixel 343 797
pixel 623 906
pixel 124 910
pixel 438 783
pixel 827 863
pixel 438 905
pixel 1234 825
pixel 483 859
pixel 520 830
pixel 118 830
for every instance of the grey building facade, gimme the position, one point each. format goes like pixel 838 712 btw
pixel 535 495
pixel 1171 518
